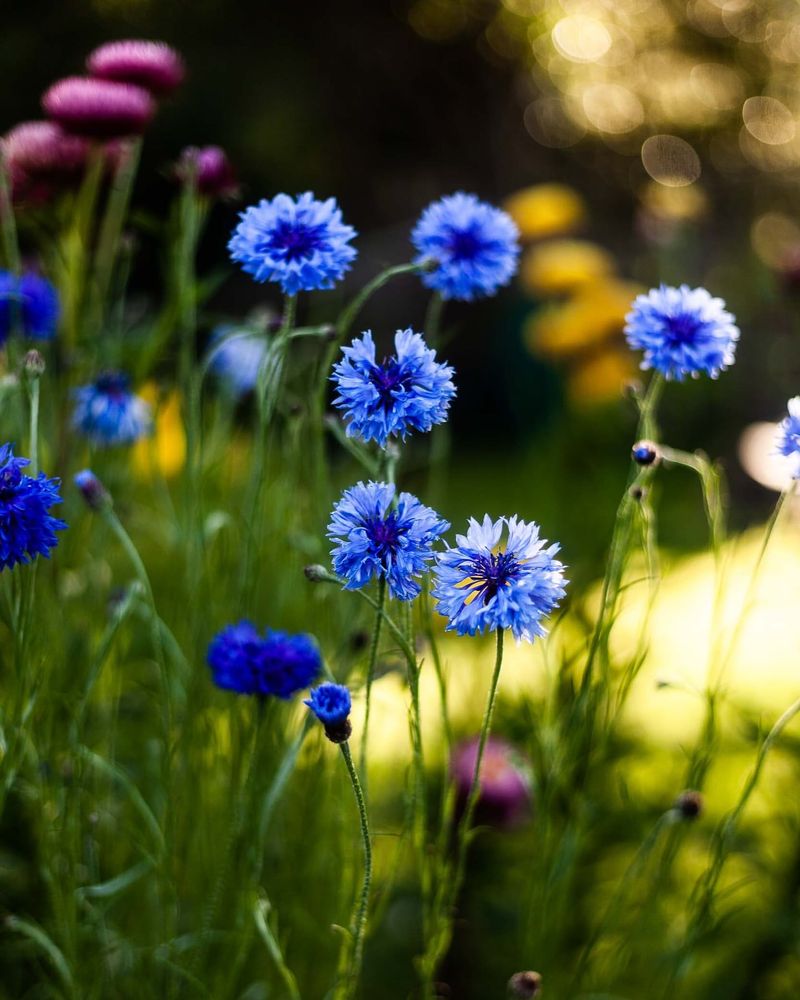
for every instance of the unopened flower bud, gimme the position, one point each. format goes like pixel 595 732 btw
pixel 316 573
pixel 524 986
pixel 689 804
pixel 638 492
pixel 94 493
pixel 644 453
pixel 33 364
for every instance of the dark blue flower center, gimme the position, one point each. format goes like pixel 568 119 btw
pixel 384 532
pixel 683 328
pixel 293 239
pixel 464 244
pixel 386 378
pixel 489 573
pixel 114 384
pixel 10 478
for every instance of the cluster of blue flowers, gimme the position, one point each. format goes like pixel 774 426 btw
pixel 410 391
pixel 108 413
pixel 27 528
pixel 275 663
pixel 31 303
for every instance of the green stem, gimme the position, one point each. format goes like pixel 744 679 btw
pixel 34 426
pixel 111 229
pixel 8 224
pixel 448 895
pixel 358 923
pixel 372 660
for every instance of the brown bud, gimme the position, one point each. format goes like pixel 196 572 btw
pixel 524 986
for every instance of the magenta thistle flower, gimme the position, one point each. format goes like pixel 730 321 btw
pixel 505 782
pixel 100 108
pixel 43 149
pixel 211 169
pixel 152 65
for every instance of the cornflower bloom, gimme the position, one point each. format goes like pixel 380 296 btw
pixel 789 435
pixel 275 663
pixel 235 357
pixel 377 539
pixel 108 413
pixel 152 65
pixel 27 529
pixel 300 243
pixel 481 585
pixel 32 302
pixel 682 331
pixel 331 704
pixel 474 247
pixel 409 391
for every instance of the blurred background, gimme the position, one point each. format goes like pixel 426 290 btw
pixel 666 134
pixel 634 141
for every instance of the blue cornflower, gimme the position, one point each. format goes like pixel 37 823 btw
pixel 235 356
pixel 474 246
pixel 378 539
pixel 331 705
pixel 789 435
pixel 276 663
pixel 410 391
pixel 108 413
pixel 682 331
pixel 26 527
pixel 32 302
pixel 301 243
pixel 481 586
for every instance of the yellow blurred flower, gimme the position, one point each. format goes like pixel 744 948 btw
pixel 676 204
pixel 546 210
pixel 561 266
pixel 595 313
pixel 165 451
pixel 600 376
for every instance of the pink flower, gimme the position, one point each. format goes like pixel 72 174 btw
pixel 100 108
pixel 505 797
pixel 43 149
pixel 152 65
pixel 212 170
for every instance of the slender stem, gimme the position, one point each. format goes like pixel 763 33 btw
pixel 358 923
pixel 433 319
pixel 34 426
pixel 111 229
pixel 373 656
pixel 440 940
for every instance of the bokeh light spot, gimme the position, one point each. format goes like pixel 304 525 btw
pixel 670 160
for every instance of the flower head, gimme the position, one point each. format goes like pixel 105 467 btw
pixel 300 243
pixel 108 413
pixel 211 170
pixel 410 391
pixel 101 108
pixel 30 301
pixel 235 357
pixel 275 663
pixel 504 783
pixel 481 584
pixel 331 705
pixel 474 245
pixel 376 539
pixel 789 435
pixel 27 529
pixel 682 331
pixel 152 65
pixel 43 149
